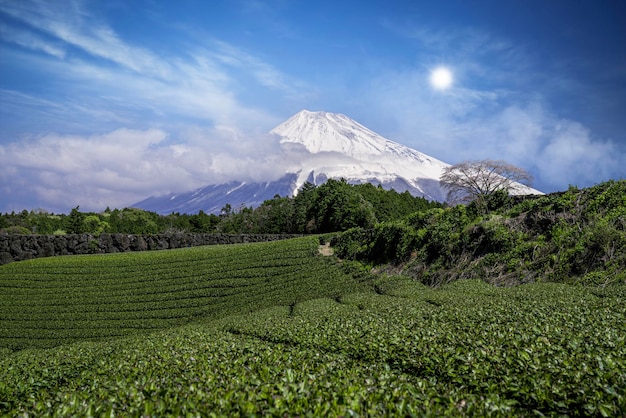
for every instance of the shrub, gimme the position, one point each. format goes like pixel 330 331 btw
pixel 16 230
pixel 564 237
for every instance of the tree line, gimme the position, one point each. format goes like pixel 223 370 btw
pixel 332 206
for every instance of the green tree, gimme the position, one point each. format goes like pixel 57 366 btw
pixel 201 222
pixel 40 221
pixel 74 222
pixel 227 210
pixel 275 216
pixel 238 222
pixel 338 207
pixel 92 224
pixel 134 221
pixel 303 208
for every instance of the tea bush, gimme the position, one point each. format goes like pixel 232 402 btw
pixel 466 349
pixel 57 300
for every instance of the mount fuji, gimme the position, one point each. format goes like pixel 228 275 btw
pixel 330 145
pixel 315 147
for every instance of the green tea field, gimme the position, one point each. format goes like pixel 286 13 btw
pixel 276 329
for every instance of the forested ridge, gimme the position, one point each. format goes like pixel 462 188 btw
pixel 333 206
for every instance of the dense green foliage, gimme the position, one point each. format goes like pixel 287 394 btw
pixel 333 206
pixel 276 329
pixel 574 236
pixel 56 300
pixel 399 349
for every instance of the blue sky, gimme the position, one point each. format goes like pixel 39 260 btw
pixel 106 103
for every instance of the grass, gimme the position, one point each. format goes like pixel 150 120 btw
pixel 275 329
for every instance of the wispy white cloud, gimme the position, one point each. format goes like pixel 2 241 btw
pixel 493 62
pixel 203 82
pixel 571 155
pixel 31 41
pixel 124 166
pixel 473 124
pixel 498 108
pixel 70 23
pixel 263 72
pixel 171 123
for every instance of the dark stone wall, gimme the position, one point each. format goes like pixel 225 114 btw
pixel 25 247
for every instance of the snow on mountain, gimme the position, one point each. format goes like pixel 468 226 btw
pixel 212 198
pixel 337 146
pixel 317 146
pixel 334 132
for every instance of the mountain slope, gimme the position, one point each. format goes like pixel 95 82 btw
pixel 335 146
pixel 316 146
pixel 212 198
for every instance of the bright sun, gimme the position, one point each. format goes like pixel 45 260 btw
pixel 441 78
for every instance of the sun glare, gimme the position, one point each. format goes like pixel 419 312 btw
pixel 441 78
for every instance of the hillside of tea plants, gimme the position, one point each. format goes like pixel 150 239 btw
pixel 276 329
pixel 57 300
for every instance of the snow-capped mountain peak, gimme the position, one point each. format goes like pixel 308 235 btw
pixel 330 132
pixel 334 132
pixel 338 146
pixel 317 146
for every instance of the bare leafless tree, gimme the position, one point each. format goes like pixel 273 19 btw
pixel 472 180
